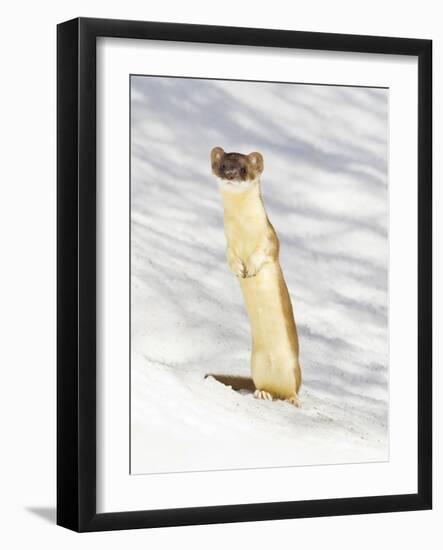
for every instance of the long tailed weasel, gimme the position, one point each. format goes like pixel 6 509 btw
pixel 253 256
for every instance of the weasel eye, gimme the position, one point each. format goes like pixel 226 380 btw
pixel 243 171
pixel 222 166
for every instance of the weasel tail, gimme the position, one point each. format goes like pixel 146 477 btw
pixel 253 257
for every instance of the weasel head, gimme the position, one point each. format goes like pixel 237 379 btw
pixel 236 172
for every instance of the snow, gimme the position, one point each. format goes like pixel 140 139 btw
pixel 325 191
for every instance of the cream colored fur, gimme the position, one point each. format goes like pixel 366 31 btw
pixel 253 256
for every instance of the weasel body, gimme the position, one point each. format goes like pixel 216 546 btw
pixel 253 256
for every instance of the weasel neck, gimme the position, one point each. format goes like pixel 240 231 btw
pixel 245 203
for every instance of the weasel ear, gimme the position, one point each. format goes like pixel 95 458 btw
pixel 217 154
pixel 256 161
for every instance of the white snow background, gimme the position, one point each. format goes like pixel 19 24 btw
pixel 325 191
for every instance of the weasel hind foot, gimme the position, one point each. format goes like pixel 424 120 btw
pixel 261 394
pixel 294 400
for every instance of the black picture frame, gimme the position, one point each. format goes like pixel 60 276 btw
pixel 76 273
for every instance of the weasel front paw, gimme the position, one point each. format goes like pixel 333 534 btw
pixel 251 271
pixel 238 268
pixel 261 394
pixel 255 263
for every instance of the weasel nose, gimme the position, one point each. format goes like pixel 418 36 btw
pixel 230 174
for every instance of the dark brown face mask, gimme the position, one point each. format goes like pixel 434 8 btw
pixel 235 166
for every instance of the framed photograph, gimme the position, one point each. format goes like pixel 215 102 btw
pixel 244 274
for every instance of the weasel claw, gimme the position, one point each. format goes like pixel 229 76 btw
pixel 261 394
pixel 294 400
